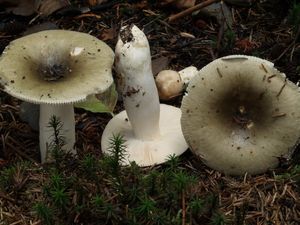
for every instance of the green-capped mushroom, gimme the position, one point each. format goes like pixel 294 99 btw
pixel 55 69
pixel 240 114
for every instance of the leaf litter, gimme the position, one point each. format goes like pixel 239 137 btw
pixel 270 198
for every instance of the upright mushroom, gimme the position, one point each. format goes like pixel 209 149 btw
pixel 56 68
pixel 152 131
pixel 241 115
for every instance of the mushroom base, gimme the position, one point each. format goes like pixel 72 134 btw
pixel 147 153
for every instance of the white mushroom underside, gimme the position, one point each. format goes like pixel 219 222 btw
pixel 146 153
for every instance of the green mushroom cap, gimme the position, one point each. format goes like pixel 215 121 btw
pixel 56 67
pixel 241 115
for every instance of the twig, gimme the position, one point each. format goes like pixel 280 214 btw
pixel 290 45
pixel 192 9
pixel 21 153
pixel 220 37
pixel 281 89
pixel 4 196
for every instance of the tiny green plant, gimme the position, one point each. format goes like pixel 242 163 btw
pixel 291 174
pixel 56 179
pixel 117 152
pixel 173 162
pixel 151 182
pixel 196 205
pixel 98 201
pixel 90 166
pixel 56 190
pixel 182 180
pixel 113 161
pixel 218 219
pixel 294 14
pixel 14 177
pixel 44 213
pixel 6 177
pixel 60 197
pixel 229 39
pixel 55 146
pixel 146 208
pixel 111 211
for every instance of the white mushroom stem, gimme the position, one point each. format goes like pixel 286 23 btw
pixel 153 131
pixel 140 95
pixel 65 114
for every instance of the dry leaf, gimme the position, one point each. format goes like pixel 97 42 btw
pixel 180 4
pixel 96 2
pixel 40 27
pixel 160 64
pixel 47 7
pixel 19 7
pixel 184 4
pixel 166 2
pixel 108 34
pixel 141 4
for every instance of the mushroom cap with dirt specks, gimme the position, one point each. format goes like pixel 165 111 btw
pixel 241 115
pixel 56 67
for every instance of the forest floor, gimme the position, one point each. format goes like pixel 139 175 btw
pixel 91 188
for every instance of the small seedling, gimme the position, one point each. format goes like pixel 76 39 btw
pixel 217 219
pixel 173 162
pixel 113 161
pixel 90 166
pixel 293 173
pixel 111 212
pixel 117 151
pixel 146 208
pixel 294 14
pixel 55 147
pixel 182 180
pixel 6 177
pixel 151 182
pixel 44 213
pixel 59 197
pixel 196 205
pixel 98 202
pixel 14 177
pixel 229 39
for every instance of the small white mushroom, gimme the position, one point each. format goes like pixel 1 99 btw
pixel 171 83
pixel 241 115
pixel 152 131
pixel 55 69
